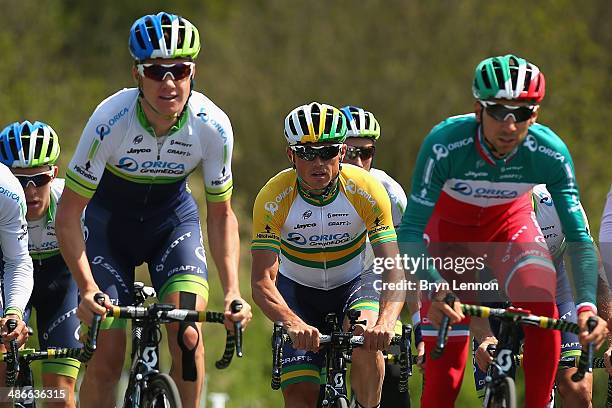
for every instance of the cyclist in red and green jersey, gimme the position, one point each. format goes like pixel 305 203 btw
pixel 472 184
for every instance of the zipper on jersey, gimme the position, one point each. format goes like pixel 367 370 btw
pixel 325 278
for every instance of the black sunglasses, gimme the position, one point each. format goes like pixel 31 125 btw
pixel 364 153
pixel 38 180
pixel 309 153
pixel 503 112
pixel 158 72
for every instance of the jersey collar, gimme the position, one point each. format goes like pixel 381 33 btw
pixel 319 200
pixel 144 122
pixel 486 153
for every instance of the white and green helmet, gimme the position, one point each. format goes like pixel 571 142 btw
pixel 508 77
pixel 361 123
pixel 163 35
pixel 25 144
pixel 315 123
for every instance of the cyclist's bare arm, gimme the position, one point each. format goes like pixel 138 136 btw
pixel 72 246
pixel 481 330
pixel 224 243
pixel 391 301
pixel 268 298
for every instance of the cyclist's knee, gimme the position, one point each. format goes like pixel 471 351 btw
pixel 366 358
pixel 302 394
pixel 577 394
pixel 107 362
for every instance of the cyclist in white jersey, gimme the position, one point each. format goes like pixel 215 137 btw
pixel 130 169
pixel 605 242
pixel 16 264
pixel 31 150
pixel 362 134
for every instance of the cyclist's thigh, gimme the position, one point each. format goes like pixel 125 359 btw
pixel 361 295
pixel 179 265
pixel 522 263
pixel 570 345
pixel 55 298
pixel 56 301
pixel 107 361
pixel 110 249
pixel 311 305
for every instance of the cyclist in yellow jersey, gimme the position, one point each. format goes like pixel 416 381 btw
pixel 309 231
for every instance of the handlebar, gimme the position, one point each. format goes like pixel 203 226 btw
pixel 168 313
pixel 346 342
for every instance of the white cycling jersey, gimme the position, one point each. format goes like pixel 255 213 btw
pixel 605 237
pixel 42 241
pixel 18 275
pixel 549 222
pixel 396 193
pixel 145 172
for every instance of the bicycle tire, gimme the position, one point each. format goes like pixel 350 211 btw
pixel 505 395
pixel 341 403
pixel 161 392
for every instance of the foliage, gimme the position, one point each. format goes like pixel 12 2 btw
pixel 409 62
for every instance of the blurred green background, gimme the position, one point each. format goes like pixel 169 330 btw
pixel 409 62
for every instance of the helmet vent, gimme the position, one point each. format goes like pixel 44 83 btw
pixel 303 123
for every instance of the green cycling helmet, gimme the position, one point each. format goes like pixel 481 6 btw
pixel 508 77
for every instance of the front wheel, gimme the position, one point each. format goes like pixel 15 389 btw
pixel 341 403
pixel 504 396
pixel 161 392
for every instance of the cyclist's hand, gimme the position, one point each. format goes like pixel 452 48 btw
pixel 607 355
pixel 88 306
pixel 420 362
pixel 439 308
pixel 244 316
pixel 378 337
pixel 303 336
pixel 20 333
pixel 482 356
pixel 599 333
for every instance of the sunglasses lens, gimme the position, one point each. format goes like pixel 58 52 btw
pixel 38 180
pixel 309 153
pixel 364 153
pixel 158 72
pixel 305 154
pixel 329 152
pixel 501 113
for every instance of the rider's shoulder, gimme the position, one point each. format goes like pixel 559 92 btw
pixel 389 182
pixel 545 135
pixel 208 114
pixel 453 129
pixel 11 193
pixel 118 103
pixel 355 180
pixel 283 183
